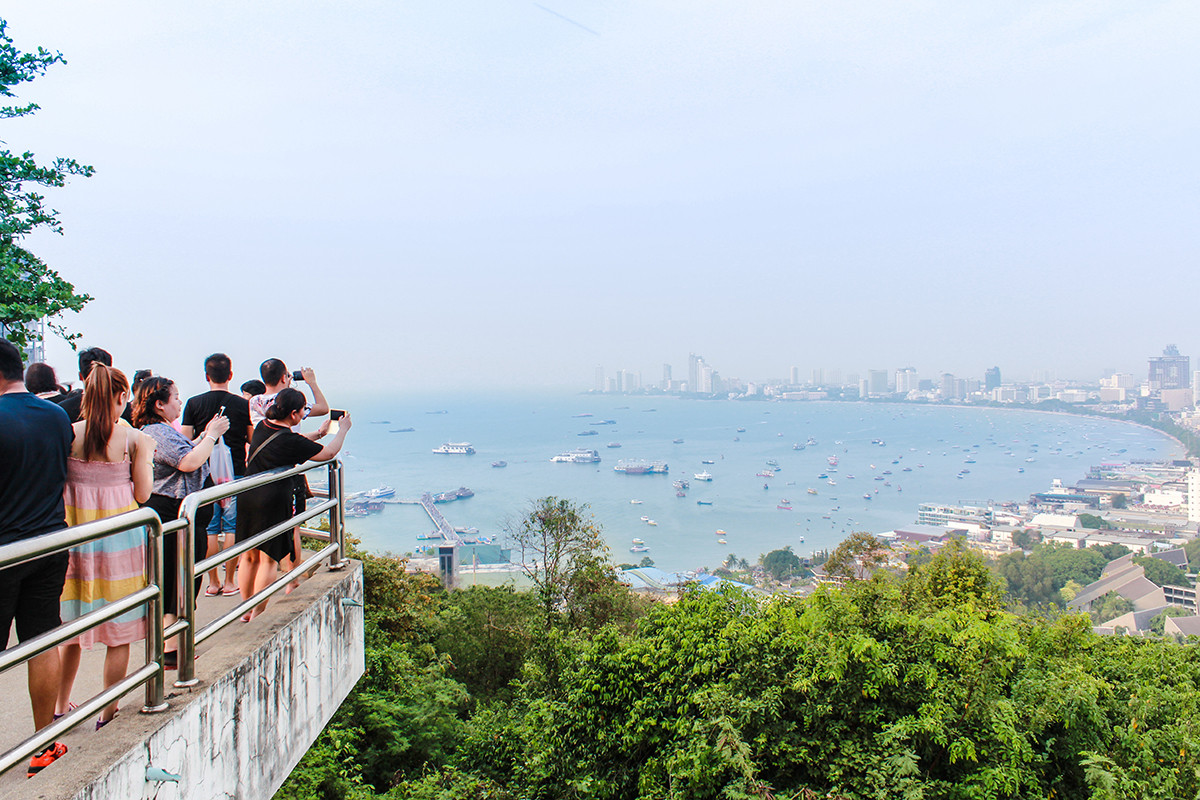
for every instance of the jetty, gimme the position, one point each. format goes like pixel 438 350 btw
pixel 443 526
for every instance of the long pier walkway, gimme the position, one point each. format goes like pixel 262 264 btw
pixel 444 527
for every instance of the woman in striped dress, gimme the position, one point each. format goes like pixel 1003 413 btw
pixel 108 472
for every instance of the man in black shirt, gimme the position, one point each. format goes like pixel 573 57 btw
pixel 35 439
pixel 199 410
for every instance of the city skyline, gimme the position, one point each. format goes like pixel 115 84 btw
pixel 508 194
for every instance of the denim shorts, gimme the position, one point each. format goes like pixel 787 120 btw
pixel 224 519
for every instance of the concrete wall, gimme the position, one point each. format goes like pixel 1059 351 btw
pixel 240 734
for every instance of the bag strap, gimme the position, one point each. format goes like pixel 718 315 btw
pixel 258 449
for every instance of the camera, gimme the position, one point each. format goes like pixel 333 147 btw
pixel 297 375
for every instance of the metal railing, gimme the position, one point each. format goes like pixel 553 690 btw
pixel 152 674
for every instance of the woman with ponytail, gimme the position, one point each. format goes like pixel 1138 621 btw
pixel 108 473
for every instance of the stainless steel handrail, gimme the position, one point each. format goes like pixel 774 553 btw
pixel 152 673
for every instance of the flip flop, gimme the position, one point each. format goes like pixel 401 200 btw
pixel 212 591
pixel 230 592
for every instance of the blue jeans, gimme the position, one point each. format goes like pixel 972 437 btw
pixel 223 519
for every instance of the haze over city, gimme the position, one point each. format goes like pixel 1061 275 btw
pixel 426 195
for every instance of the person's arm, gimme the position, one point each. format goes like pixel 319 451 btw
pixel 320 406
pixel 335 445
pixel 319 433
pixel 203 449
pixel 142 468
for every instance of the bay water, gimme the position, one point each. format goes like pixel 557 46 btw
pixel 1009 454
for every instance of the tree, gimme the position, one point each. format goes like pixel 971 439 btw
pixel 857 557
pixel 29 289
pixel 1094 522
pixel 1162 573
pixel 1109 607
pixel 557 542
pixel 1158 624
pixel 1120 501
pixel 781 564
pixel 1023 539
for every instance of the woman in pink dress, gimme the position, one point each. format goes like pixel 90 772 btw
pixel 108 472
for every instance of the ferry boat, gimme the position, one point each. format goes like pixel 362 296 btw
pixel 703 476
pixel 455 448
pixel 639 467
pixel 381 491
pixel 458 494
pixel 580 455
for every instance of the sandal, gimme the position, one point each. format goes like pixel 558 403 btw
pixel 100 723
pixel 212 591
pixel 70 707
pixel 230 591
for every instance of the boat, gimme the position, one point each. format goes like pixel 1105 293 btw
pixel 707 461
pixel 720 531
pixel 645 519
pixel 604 422
pixel 831 482
pixel 766 473
pixel 784 508
pixel 588 433
pixel 613 445
pixel 639 541
pixel 402 430
pixel 651 522
pixel 811 442
pixel 772 463
pixel 677 441
pixel 638 548
pixel 704 502
pixel 499 464
pixel 741 430
pixel 639 467
pixel 866 497
pixel 703 476
pixel 426 536
pixel 797 446
pixel 635 502
pixel 680 484
pixel 832 460
pixel 811 490
pixel 455 448
pixel 381 491
pixel 458 494
pixel 722 541
pixel 580 416
pixel 680 493
pixel 580 455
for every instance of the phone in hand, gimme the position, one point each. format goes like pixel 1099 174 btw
pixel 297 375
pixel 334 415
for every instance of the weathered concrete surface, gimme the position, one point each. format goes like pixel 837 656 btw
pixel 267 689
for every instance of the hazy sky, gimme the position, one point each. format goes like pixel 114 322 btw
pixel 449 194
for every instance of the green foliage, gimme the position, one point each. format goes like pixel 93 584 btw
pixel 557 541
pixel 781 564
pixel 1037 579
pixel 1109 607
pixel 29 289
pixel 487 633
pixel 1161 572
pixel 1112 552
pixel 1192 550
pixel 1094 522
pixel 1024 539
pixel 1120 501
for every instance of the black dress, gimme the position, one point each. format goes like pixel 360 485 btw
pixel 267 506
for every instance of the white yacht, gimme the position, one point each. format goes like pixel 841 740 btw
pixel 703 476
pixel 456 448
pixel 580 455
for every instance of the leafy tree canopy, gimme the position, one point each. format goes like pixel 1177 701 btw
pixel 781 564
pixel 29 289
pixel 1162 573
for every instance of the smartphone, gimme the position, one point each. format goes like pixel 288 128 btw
pixel 297 375
pixel 334 415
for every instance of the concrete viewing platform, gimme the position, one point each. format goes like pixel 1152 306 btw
pixel 266 690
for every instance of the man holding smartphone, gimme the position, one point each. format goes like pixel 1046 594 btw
pixel 218 400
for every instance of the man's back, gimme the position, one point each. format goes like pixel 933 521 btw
pixel 200 409
pixel 35 438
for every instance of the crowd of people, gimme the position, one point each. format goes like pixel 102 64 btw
pixel 70 456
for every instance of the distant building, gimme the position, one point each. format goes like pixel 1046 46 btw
pixel 1193 494
pixel 944 515
pixel 1170 370
pixel 818 377
pixel 948 386
pixel 666 379
pixel 991 378
pixel 877 380
pixel 906 380
pixel 600 384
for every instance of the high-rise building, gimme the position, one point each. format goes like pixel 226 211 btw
pixel 666 381
pixel 1170 370
pixel 991 378
pixel 694 364
pixel 877 383
pixel 834 378
pixel 1196 389
pixel 906 380
pixel 948 386
pixel 599 378
pixel 704 379
pixel 795 376
pixel 818 377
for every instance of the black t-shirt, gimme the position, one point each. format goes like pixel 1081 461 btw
pixel 200 410
pixel 35 440
pixel 286 450
pixel 72 403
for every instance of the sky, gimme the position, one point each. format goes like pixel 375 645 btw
pixel 443 195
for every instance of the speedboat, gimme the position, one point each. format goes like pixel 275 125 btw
pixel 499 464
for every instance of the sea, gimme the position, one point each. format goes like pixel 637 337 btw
pixel 934 454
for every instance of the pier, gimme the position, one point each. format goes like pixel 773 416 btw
pixel 448 533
